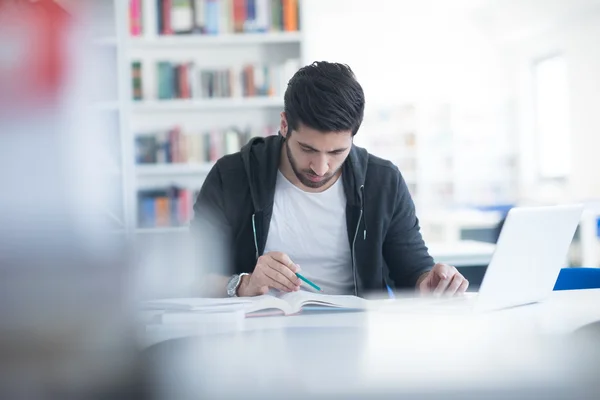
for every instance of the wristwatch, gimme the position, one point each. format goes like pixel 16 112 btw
pixel 234 283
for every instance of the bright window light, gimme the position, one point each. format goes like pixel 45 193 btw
pixel 552 118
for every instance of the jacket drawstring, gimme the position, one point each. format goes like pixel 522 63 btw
pixel 254 233
pixel 362 207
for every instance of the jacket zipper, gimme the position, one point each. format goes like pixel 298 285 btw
pixel 354 241
pixel 254 233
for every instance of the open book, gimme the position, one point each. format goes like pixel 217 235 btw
pixel 292 303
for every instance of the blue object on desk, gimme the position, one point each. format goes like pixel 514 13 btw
pixel 578 278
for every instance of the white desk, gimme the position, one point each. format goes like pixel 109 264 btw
pixel 463 253
pixel 382 354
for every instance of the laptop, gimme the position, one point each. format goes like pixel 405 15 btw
pixel 531 250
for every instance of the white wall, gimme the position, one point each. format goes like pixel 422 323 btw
pixel 578 41
pixel 404 50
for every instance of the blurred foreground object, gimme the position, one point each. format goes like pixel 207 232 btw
pixel 32 50
pixel 65 329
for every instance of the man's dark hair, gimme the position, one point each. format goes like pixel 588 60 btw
pixel 325 96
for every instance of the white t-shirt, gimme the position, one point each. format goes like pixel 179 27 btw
pixel 311 229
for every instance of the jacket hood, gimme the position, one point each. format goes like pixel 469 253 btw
pixel 261 157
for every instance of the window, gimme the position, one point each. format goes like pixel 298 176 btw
pixel 552 117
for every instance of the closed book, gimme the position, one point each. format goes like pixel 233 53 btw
pixel 216 146
pixel 207 146
pixel 174 145
pixel 184 207
pixel 136 78
pixel 199 16
pixel 163 214
pixel 173 196
pixel 135 17
pixel 239 15
pixel 232 142
pixel 236 87
pixel 262 15
pixel 212 17
pixel 163 150
pixel 196 148
pixel 260 80
pixel 250 22
pixel 162 76
pixel 183 148
pixel 276 16
pixel 145 147
pixel 182 16
pixel 175 75
pixel 290 15
pixel 159 17
pixel 226 16
pixel 147 213
pixel 250 85
pixel 167 6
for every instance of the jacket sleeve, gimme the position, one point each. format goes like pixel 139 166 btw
pixel 210 228
pixel 404 250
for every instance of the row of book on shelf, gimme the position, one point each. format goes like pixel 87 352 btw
pixel 169 207
pixel 189 81
pixel 212 17
pixel 174 146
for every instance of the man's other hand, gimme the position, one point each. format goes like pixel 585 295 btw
pixel 443 280
pixel 273 270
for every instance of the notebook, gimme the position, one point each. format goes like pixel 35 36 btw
pixel 295 302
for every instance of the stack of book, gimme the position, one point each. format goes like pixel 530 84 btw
pixel 188 81
pixel 213 17
pixel 173 146
pixel 170 207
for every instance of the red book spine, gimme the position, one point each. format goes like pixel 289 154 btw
pixel 239 15
pixel 166 14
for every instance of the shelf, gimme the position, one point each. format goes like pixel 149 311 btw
pixel 150 170
pixel 206 104
pixel 163 230
pixel 175 41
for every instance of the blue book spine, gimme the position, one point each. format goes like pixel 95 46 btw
pixel 212 17
pixel 250 23
pixel 148 212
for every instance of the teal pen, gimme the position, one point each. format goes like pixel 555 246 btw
pixel 308 282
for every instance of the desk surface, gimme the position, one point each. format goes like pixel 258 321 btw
pixel 383 354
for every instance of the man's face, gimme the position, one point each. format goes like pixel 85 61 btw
pixel 316 157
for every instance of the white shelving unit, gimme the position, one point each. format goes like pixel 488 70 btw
pixel 196 116
pixel 109 107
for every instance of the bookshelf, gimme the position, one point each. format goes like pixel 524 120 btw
pixel 205 76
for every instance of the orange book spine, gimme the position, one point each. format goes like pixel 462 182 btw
pixel 163 217
pixel 290 15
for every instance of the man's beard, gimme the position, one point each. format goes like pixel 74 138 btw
pixel 303 175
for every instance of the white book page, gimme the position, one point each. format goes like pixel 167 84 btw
pixel 301 298
pixel 267 302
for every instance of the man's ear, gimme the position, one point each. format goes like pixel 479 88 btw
pixel 283 126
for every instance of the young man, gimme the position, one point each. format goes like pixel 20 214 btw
pixel 309 199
